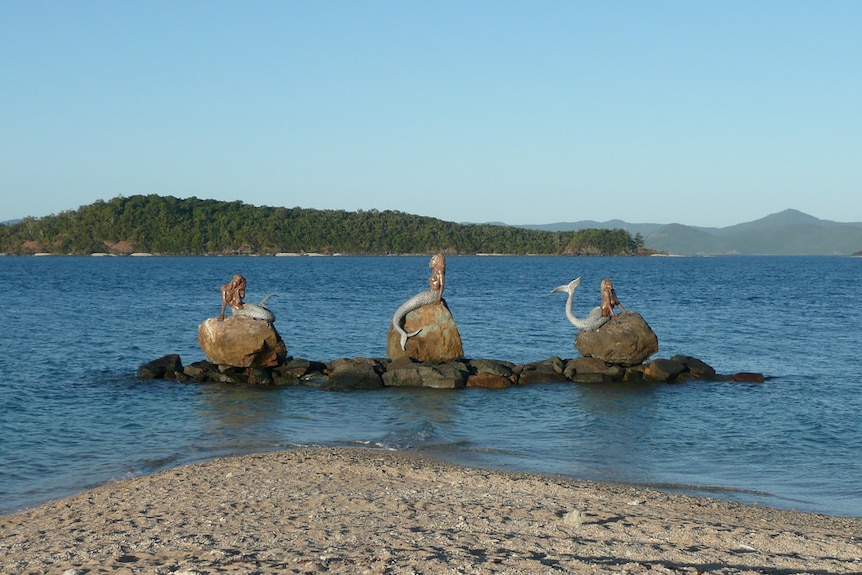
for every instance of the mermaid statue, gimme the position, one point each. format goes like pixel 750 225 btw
pixel 610 299
pixel 596 317
pixel 434 294
pixel 232 294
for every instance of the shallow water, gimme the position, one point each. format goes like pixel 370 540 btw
pixel 74 415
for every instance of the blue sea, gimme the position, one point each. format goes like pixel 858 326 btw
pixel 75 329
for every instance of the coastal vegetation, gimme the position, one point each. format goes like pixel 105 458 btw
pixel 171 226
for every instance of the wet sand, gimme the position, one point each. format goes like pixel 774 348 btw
pixel 377 512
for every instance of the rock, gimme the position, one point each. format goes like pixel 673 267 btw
pixel 316 379
pixel 371 373
pixel 616 372
pixel 539 374
pixel 491 367
pixel 488 381
pixel 592 370
pixel 748 377
pixel 239 341
pixel 231 375
pixel 401 374
pixel 590 378
pixel 678 368
pixel 664 369
pixel 696 368
pixel 625 340
pixel 166 367
pixel 294 369
pixel 359 373
pixel 439 341
pixel 584 365
pixel 634 374
pixel 259 376
pixel 402 362
pixel 200 371
pixel 456 371
pixel 491 373
pixel 548 371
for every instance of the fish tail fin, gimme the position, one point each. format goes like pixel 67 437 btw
pixel 569 287
pixel 405 335
pixel 264 300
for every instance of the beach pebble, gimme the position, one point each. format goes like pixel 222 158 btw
pixel 573 518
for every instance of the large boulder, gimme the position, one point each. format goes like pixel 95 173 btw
pixel 239 341
pixel 625 340
pixel 439 341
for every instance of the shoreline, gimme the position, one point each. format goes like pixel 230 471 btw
pixel 351 510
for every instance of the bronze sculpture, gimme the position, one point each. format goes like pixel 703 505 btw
pixel 609 299
pixel 594 320
pixel 434 294
pixel 438 275
pixel 232 294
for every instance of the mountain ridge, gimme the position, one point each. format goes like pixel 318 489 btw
pixel 788 232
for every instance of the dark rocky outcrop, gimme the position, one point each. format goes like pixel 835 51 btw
pixel 166 367
pixel 359 373
pixel 406 373
pixel 747 377
pixel 374 373
pixel 664 369
pixel 491 374
pixel 439 340
pixel 625 340
pixel 488 381
pixel 695 368
pixel 547 371
pixel 297 371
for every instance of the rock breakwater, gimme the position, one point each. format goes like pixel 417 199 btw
pixel 372 373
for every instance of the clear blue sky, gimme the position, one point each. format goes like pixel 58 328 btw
pixel 702 113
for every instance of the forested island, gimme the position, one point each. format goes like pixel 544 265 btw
pixel 171 226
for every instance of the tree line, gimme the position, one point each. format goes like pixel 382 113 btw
pixel 171 226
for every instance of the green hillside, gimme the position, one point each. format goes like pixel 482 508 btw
pixel 168 225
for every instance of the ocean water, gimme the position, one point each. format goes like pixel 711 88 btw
pixel 74 330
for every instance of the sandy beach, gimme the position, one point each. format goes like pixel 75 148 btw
pixel 378 512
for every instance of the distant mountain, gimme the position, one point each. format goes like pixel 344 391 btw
pixel 642 229
pixel 789 232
